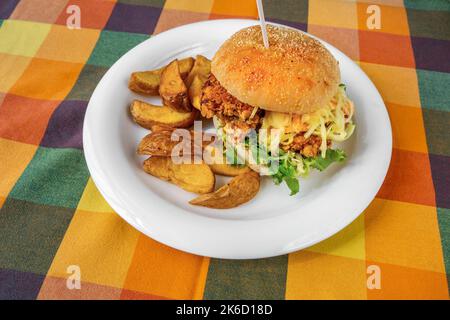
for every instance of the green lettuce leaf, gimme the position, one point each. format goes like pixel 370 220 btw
pixel 321 164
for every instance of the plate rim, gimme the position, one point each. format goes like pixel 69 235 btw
pixel 94 173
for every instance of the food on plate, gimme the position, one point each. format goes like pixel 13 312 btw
pixel 147 82
pixel 158 167
pixel 217 161
pixel 160 143
pixel 196 178
pixel 196 78
pixel 293 88
pixel 239 190
pixel 157 143
pixel 201 69
pixel 148 115
pixel 195 92
pixel 225 169
pixel 280 109
pixel 172 89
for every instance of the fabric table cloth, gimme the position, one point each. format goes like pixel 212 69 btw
pixel 53 221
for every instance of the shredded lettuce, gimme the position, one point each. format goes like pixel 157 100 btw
pixel 293 166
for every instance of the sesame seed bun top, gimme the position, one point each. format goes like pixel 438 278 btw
pixel 296 74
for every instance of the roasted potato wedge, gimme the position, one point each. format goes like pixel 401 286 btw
pixel 148 115
pixel 217 163
pixel 239 190
pixel 195 92
pixel 201 69
pixel 158 167
pixel 228 170
pixel 172 89
pixel 196 178
pixel 159 143
pixel 147 82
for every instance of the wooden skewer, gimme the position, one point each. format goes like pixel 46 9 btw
pixel 262 21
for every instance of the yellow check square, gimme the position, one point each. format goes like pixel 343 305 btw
pixel 11 69
pixel 101 244
pixel 22 37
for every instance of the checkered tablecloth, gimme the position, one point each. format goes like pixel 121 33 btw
pixel 53 220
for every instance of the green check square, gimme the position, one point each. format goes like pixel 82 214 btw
pixel 428 4
pixel 293 11
pixel 434 89
pixel 54 177
pixel 30 235
pixel 247 279
pixel 436 126
pixel 112 45
pixel 429 24
pixel 87 81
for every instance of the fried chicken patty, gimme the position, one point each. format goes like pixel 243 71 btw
pixel 216 101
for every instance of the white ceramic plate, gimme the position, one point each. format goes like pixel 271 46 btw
pixel 271 224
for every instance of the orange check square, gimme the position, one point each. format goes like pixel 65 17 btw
pixel 394 3
pixel 407 127
pixel 393 19
pixel 47 79
pixel 242 8
pixel 94 14
pixel 14 157
pixel 24 119
pixel 2 201
pixel 409 179
pixel 73 45
pixel 396 84
pixel 32 10
pixel 334 13
pixel 404 283
pixel 173 18
pixel 403 234
pixel 320 276
pixel 345 40
pixel 161 271
pixel 384 48
pixel 54 288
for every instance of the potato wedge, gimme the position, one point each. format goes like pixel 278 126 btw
pixel 195 92
pixel 228 170
pixel 172 89
pixel 158 167
pixel 201 69
pixel 157 143
pixel 196 178
pixel 160 143
pixel 217 162
pixel 239 190
pixel 148 115
pixel 185 66
pixel 147 82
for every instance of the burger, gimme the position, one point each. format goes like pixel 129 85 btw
pixel 292 87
